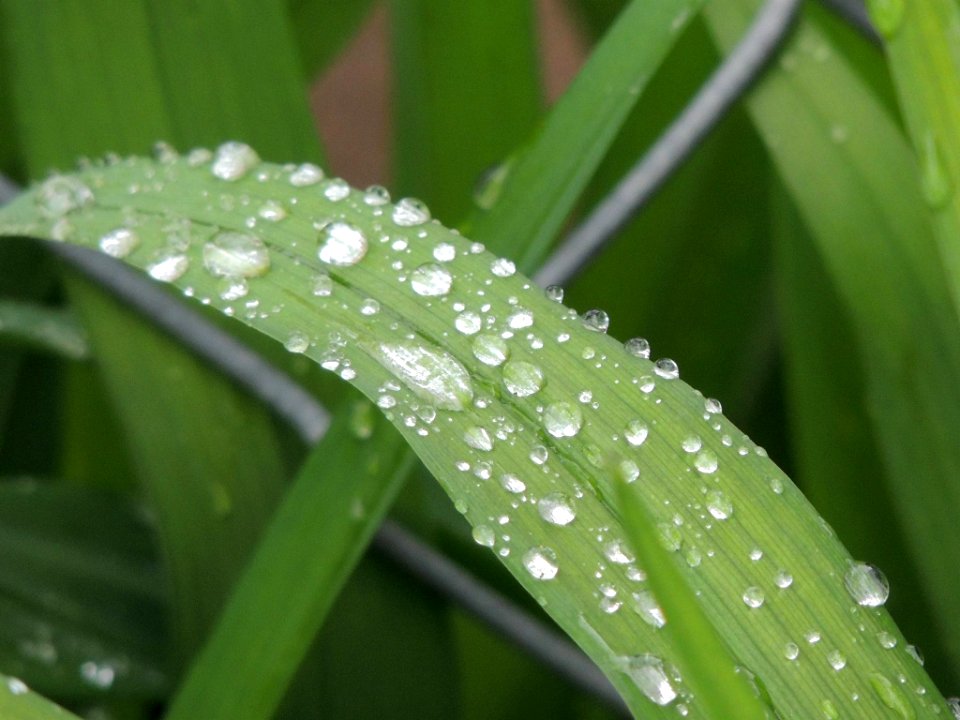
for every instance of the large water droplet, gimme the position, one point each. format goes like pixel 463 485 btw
pixel 490 349
pixel 557 509
pixel 62 194
pixel 522 378
pixel 541 563
pixel 168 266
pixel 891 696
pixel 433 375
pixel 119 243
pixel 233 160
pixel 866 585
pixel 342 244
pixel 648 673
pixel 431 280
pixel 562 419
pixel 596 320
pixel 636 433
pixel 236 254
pixel 410 212
pixel 306 174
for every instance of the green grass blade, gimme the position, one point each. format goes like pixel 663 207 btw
pixel 924 59
pixel 42 328
pixel 393 326
pixel 323 28
pixel 467 93
pixel 211 484
pixel 546 179
pixel 701 654
pixel 335 503
pixel 822 124
pixel 18 702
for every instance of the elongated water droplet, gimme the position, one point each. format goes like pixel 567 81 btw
pixel 168 266
pixel 646 606
pixel 556 509
pixel 512 484
pixel 433 375
pixel 891 696
pixel 306 174
pixel 562 419
pixel 431 280
pixel 866 585
pixel 541 563
pixel 236 254
pixel 16 686
pixel 410 212
pixel 648 673
pixel 478 438
pixel 934 175
pixel 119 243
pixel 490 349
pixel 342 244
pixel 522 378
pixel 233 160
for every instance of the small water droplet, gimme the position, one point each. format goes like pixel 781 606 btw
pixel 753 597
pixel 541 563
pixel 376 195
pixel 519 319
pixel 236 254
pixel 554 293
pixel 776 484
pixel 369 307
pixel 322 285
pixel 636 433
pixel 719 505
pixel 272 211
pixel 522 378
pixel 62 194
pixel 410 212
pixel 691 443
pixel 539 454
pixel 297 342
pixel 431 280
pixel 783 579
pixel 891 696
pixel 168 266
pixel 119 243
pixel 618 553
pixel 556 509
pixel 306 174
pixel 866 585
pixel 501 267
pixel 478 438
pixel 100 675
pixel 886 640
pixel 596 320
pixel 638 347
pixel 468 323
pixel 646 606
pixel 562 419
pixel 233 160
pixel 669 537
pixel 483 535
pixel 342 244
pixel 629 471
pixel 336 189
pixel 667 369
pixel 706 462
pixel 712 407
pixel 837 660
pixel 444 252
pixel 914 652
pixel 490 349
pixel 16 686
pixel 512 484
pixel 232 288
pixel 791 651
pixel 648 673
pixel 433 375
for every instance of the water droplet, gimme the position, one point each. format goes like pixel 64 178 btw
pixel 272 211
pixel 483 535
pixel 886 640
pixel 646 606
pixel 322 285
pixel 468 323
pixel 954 705
pixel 512 484
pixel 410 212
pixel 638 347
pixel 830 711
pixel 376 195
pixel 866 585
pixel 887 15
pixel 444 252
pixel 753 597
pixel 232 288
pixel 776 484
pixel 501 267
pixel 669 537
pixel 336 189
pixel 636 433
pixel 562 419
pixel 478 438
pixel 891 696
pixel 791 651
pixel 522 378
pixel 691 443
pixel 556 509
pixel 836 659
pixel 306 174
pixel 236 255
pixel 618 553
pixel 297 342
pixel 490 349
pixel 100 675
pixel 554 293
pixel 719 505
pixel 168 266
pixel 369 307
pixel 667 369
pixel 433 375
pixel 16 686
pixel 541 563
pixel 706 462
pixel 119 243
pixel 914 652
pixel 539 454
pixel 934 176
pixel 519 319
pixel 648 673
pixel 342 244
pixel 712 407
pixel 62 194
pixel 783 579
pixel 596 320
pixel 628 471
pixel 431 280
pixel 233 160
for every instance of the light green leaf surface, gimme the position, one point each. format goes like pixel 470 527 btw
pixel 848 169
pixel 377 295
pixel 18 702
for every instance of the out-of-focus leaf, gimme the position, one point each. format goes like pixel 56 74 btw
pixel 18 702
pixel 42 328
pixel 321 29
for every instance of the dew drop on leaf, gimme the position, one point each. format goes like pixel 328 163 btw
pixel 519 319
pixel 168 266
pixel 431 280
pixel 232 288
pixel 236 254
pixel 719 505
pixel 522 378
pixel 336 189
pixel 596 320
pixel 562 419
pixel 638 347
pixel 119 243
pixel 706 462
pixel 444 252
pixel 297 342
pixel 556 509
pixel 468 323
pixel 305 175
pixel 483 535
pixel 478 438
pixel 667 369
pixel 554 293
pixel 541 563
pixel 867 585
pixel 512 484
pixel 636 433
pixel 837 660
pixel 490 349
pixel 410 212
pixel 233 160
pixel 753 597
pixel 433 375
pixel 648 673
pixel 62 194
pixel 376 195
pixel 646 606
pixel 501 267
pixel 342 244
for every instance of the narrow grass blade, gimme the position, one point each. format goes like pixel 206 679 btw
pixel 517 400
pixel 42 328
pixel 467 93
pixel 701 654
pixel 546 179
pixel 825 129
pixel 246 665
pixel 18 702
pixel 323 28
